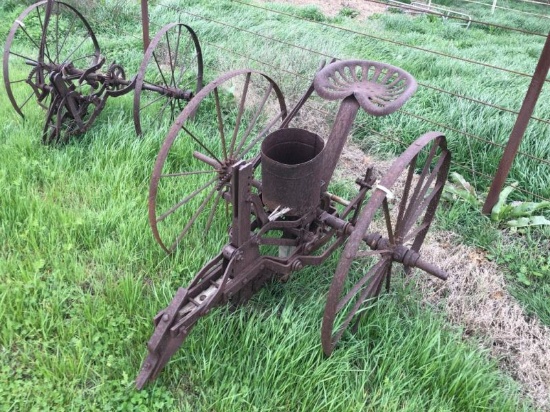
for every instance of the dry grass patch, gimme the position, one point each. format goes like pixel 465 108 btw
pixel 475 297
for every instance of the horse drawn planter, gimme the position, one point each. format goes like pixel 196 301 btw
pixel 274 180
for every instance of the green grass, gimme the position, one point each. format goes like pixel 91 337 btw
pixel 81 276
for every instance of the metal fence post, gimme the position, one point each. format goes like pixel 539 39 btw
pixel 145 24
pixel 520 126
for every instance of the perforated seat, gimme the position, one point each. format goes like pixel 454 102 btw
pixel 379 88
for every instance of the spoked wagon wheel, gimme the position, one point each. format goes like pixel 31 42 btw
pixel 169 76
pixel 44 40
pixel 406 199
pixel 223 124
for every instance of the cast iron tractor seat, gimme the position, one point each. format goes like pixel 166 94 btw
pixel 379 88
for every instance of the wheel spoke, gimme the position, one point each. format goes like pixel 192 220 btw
pixel 76 48
pixel 239 114
pixel 169 58
pixel 32 40
pixel 254 118
pixel 160 97
pixel 212 213
pixel 220 123
pixel 201 145
pixel 261 135
pixel 66 37
pixel 193 218
pixel 388 278
pixel 26 101
pixel 413 211
pixel 422 206
pixel 185 200
pixel 57 33
pixel 404 198
pixel 160 115
pixel 416 231
pixel 431 154
pixel 371 274
pixel 387 218
pixel 365 294
pixel 179 174
pixel 18 81
pixel 24 57
pixel 185 54
pixel 160 70
pixel 84 57
pixel 46 51
pixel 173 66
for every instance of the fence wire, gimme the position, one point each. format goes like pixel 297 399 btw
pixel 507 8
pixel 359 125
pixel 453 17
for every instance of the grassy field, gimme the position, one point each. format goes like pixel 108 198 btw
pixel 81 276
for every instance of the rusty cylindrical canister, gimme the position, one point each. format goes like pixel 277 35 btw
pixel 292 161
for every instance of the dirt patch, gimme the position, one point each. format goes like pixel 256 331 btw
pixel 331 8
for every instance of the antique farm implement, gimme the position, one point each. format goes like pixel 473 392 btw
pixel 270 185
pixel 66 78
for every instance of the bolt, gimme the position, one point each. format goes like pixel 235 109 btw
pixel 165 317
pixel 297 265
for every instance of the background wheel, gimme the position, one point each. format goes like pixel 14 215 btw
pixel 172 63
pixel 223 124
pixel 404 204
pixel 70 39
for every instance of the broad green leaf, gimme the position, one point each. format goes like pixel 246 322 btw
pixel 527 208
pixel 528 221
pixel 500 208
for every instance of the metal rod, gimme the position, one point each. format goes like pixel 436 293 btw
pixel 518 131
pixel 338 136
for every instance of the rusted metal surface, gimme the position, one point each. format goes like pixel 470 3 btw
pixel 378 88
pixel 292 161
pixel 289 204
pixel 211 167
pixel 172 66
pixel 145 24
pixel 66 77
pixel 417 204
pixel 522 121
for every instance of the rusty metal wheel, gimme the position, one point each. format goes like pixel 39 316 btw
pixel 222 125
pixel 169 76
pixel 405 200
pixel 43 40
